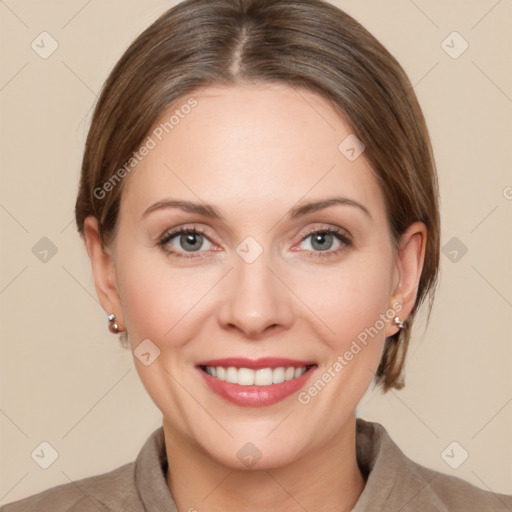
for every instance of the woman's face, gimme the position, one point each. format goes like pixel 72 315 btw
pixel 255 282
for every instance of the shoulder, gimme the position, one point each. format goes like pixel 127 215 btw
pixel 114 490
pixel 134 487
pixel 447 492
pixel 457 494
pixel 396 482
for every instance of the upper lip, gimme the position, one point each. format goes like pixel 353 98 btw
pixel 256 364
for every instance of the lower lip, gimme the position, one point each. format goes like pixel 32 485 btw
pixel 255 396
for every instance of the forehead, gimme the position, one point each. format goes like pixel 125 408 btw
pixel 251 146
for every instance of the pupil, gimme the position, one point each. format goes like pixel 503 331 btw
pixel 190 238
pixel 320 238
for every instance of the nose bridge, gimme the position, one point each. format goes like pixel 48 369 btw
pixel 256 299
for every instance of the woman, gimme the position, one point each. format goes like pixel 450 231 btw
pixel 258 199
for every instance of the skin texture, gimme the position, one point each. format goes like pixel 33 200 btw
pixel 255 151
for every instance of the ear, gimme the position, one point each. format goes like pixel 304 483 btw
pixel 409 264
pixel 103 269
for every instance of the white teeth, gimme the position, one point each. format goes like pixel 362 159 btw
pixel 232 375
pixel 289 374
pixel 263 377
pixel 278 375
pixel 249 377
pixel 245 377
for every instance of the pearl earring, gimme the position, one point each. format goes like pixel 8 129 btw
pixel 399 322
pixel 113 326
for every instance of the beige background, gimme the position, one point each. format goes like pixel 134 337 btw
pixel 64 378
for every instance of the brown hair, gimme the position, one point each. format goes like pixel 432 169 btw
pixel 303 43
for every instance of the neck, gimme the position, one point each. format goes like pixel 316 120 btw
pixel 328 479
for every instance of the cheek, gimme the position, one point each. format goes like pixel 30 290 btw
pixel 164 302
pixel 159 301
pixel 349 300
pixel 356 311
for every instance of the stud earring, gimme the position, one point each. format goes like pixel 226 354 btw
pixel 399 322
pixel 113 326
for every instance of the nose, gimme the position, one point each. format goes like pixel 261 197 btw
pixel 255 299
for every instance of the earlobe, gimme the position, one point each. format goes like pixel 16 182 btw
pixel 103 269
pixel 410 259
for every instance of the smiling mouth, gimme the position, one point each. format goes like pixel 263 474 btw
pixel 260 377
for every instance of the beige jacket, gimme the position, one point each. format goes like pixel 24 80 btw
pixel 394 483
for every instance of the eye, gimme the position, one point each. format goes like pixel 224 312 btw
pixel 322 240
pixel 183 241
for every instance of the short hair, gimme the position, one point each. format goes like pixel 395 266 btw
pixel 302 43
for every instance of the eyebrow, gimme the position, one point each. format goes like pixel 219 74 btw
pixel 212 212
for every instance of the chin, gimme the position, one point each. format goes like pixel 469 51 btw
pixel 254 456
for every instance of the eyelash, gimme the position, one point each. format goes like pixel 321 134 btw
pixel 340 235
